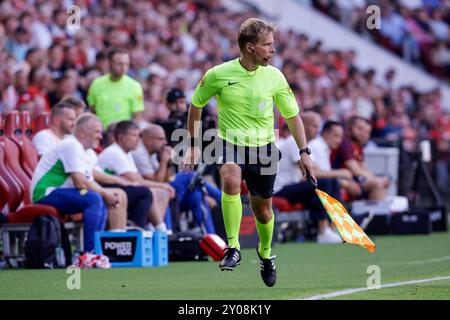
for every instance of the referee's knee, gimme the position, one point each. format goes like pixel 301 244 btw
pixel 232 185
pixel 231 179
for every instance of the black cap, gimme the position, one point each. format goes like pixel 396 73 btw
pixel 174 94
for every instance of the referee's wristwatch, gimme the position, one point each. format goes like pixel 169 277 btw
pixel 305 150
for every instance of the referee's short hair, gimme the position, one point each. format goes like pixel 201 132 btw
pixel 123 127
pixel 113 51
pixel 250 30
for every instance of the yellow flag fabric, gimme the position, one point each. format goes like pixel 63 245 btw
pixel 347 228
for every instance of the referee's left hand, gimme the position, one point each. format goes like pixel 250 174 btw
pixel 190 159
pixel 307 166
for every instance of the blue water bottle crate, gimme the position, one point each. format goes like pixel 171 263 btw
pixel 126 249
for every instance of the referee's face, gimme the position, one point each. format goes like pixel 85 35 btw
pixel 119 64
pixel 264 49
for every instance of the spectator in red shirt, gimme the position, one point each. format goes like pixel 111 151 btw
pixel 350 155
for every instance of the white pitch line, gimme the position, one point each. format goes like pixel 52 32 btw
pixel 430 260
pixel 355 290
pixel 433 260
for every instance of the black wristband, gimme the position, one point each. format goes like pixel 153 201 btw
pixel 305 150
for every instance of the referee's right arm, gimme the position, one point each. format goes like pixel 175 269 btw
pixel 193 151
pixel 194 120
pixel 206 88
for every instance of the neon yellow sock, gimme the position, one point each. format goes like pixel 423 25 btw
pixel 232 214
pixel 265 232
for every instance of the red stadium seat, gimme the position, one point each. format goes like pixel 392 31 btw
pixel 26 124
pixel 12 161
pixel 28 213
pixel 14 130
pixel 285 206
pixel 15 194
pixel 77 217
pixel 10 196
pixel 289 215
pixel 15 186
pixel 4 196
pixel 41 122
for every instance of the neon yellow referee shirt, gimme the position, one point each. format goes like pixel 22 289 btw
pixel 245 101
pixel 114 101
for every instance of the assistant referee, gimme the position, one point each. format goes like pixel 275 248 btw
pixel 246 89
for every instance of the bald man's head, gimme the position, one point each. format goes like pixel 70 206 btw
pixel 311 121
pixel 84 121
pixel 152 129
pixel 154 138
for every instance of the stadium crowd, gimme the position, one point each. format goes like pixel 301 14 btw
pixel 417 30
pixel 172 43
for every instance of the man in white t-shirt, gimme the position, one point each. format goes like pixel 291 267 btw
pixel 62 120
pixel 321 146
pixel 153 145
pixel 64 179
pixel 117 160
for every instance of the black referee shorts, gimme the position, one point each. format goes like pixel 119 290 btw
pixel 259 165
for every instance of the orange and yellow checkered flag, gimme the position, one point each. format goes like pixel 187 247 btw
pixel 347 228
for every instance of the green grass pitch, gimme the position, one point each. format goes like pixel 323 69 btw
pixel 304 270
